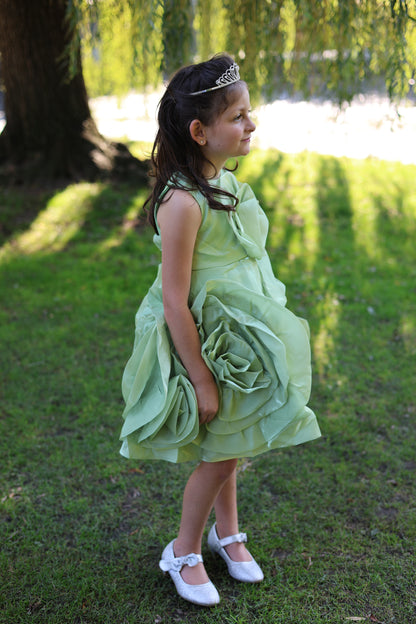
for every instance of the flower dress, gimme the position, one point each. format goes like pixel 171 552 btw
pixel 257 350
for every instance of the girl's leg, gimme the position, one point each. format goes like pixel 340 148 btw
pixel 226 514
pixel 200 493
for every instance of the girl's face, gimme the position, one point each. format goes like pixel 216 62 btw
pixel 229 135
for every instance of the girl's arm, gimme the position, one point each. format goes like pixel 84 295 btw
pixel 179 218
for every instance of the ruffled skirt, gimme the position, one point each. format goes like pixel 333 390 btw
pixel 258 352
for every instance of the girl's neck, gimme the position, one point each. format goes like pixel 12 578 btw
pixel 213 173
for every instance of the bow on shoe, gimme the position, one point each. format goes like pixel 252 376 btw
pixel 241 537
pixel 178 562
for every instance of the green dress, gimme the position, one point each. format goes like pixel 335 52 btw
pixel 257 350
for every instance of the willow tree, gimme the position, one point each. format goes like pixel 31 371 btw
pixel 331 47
pixel 315 46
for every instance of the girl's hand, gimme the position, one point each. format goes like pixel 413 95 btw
pixel 207 397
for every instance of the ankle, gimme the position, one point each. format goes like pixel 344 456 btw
pixel 226 530
pixel 185 547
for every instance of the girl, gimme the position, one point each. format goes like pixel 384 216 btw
pixel 220 368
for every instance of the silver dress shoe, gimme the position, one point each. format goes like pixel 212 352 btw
pixel 205 595
pixel 246 571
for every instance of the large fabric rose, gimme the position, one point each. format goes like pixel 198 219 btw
pixel 246 357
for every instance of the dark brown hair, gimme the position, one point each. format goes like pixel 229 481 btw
pixel 174 151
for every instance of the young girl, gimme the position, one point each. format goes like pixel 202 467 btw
pixel 220 368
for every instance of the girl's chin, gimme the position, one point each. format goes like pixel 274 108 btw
pixel 245 148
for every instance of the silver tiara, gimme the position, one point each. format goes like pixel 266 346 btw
pixel 228 77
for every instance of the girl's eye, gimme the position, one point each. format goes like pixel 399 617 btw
pixel 241 116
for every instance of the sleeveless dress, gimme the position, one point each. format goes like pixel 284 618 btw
pixel 257 350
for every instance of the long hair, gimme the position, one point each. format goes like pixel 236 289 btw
pixel 174 151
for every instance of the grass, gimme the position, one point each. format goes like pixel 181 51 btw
pixel 332 522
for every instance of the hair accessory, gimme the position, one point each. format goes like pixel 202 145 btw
pixel 228 77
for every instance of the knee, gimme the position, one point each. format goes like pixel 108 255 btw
pixel 222 470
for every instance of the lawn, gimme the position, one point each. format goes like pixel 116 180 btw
pixel 332 523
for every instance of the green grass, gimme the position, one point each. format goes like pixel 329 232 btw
pixel 332 522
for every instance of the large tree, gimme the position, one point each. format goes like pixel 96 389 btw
pixel 49 132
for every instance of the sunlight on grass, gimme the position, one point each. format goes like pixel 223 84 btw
pixel 130 221
pixel 333 521
pixel 286 193
pixel 364 225
pixel 408 333
pixel 310 243
pixel 364 189
pixel 324 340
pixel 56 225
pixel 381 194
pixel 304 241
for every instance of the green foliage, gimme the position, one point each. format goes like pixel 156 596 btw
pixel 211 26
pixel 122 46
pixel 331 522
pixel 177 34
pixel 331 47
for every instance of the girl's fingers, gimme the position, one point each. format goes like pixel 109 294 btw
pixel 206 418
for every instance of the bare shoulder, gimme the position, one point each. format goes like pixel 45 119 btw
pixel 179 207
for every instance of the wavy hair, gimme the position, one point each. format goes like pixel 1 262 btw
pixel 174 151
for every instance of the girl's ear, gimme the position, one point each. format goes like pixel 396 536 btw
pixel 197 132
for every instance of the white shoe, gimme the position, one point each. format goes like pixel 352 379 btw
pixel 246 571
pixel 205 595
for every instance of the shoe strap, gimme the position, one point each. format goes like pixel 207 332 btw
pixel 238 537
pixel 178 562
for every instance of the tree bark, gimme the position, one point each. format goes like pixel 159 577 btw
pixel 49 132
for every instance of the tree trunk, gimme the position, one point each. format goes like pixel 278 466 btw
pixel 49 132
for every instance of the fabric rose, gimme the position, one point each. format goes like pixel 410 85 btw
pixel 246 358
pixel 161 407
pixel 178 423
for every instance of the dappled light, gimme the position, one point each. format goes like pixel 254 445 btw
pixel 342 240
pixel 327 307
pixel 334 228
pixel 131 220
pixel 56 225
pixel 407 332
pixel 333 165
pixel 66 218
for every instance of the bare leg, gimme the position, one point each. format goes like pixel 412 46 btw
pixel 200 493
pixel 227 518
